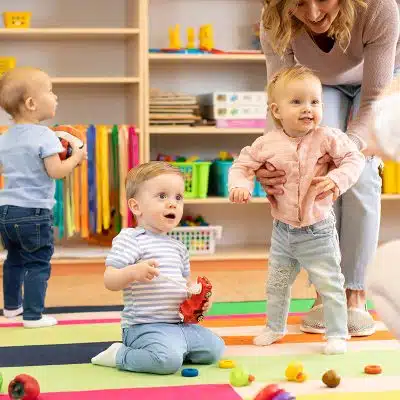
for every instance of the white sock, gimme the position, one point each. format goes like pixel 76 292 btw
pixel 267 337
pixel 108 358
pixel 335 346
pixel 13 313
pixel 43 322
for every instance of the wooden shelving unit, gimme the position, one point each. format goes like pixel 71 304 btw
pixel 214 58
pixel 206 130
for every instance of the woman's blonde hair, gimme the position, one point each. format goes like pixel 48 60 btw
pixel 282 27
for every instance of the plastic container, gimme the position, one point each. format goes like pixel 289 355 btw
pixel 17 19
pixel 198 239
pixel 196 176
pixel 219 180
pixel 7 63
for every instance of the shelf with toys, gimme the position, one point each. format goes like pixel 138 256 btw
pixel 202 130
pixel 68 33
pixel 229 56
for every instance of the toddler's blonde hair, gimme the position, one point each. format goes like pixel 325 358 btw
pixel 14 88
pixel 144 172
pixel 282 78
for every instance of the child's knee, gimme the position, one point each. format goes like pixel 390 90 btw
pixel 167 363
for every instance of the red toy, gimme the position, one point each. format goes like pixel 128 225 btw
pixel 24 387
pixel 191 310
pixel 274 392
pixel 68 134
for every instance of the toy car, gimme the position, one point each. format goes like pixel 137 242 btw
pixel 191 310
pixel 67 135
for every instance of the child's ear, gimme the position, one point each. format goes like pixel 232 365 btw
pixel 275 110
pixel 30 104
pixel 134 207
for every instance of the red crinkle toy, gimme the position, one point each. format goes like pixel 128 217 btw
pixel 191 310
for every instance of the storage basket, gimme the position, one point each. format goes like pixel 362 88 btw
pixel 196 176
pixel 17 19
pixel 198 239
pixel 219 178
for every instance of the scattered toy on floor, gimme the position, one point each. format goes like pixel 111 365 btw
pixel 295 372
pixel 373 369
pixel 331 378
pixel 239 377
pixel 24 387
pixel 274 392
pixel 226 364
pixel 1 381
pixel 190 372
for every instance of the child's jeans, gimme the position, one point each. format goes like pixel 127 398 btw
pixel 27 234
pixel 162 348
pixel 316 249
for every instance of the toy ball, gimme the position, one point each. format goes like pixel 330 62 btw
pixel 331 378
pixel 67 135
pixel 24 387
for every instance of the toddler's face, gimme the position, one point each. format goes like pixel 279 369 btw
pixel 159 203
pixel 45 99
pixel 299 106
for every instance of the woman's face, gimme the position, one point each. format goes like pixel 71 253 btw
pixel 317 15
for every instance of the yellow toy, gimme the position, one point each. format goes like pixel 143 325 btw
pixel 226 364
pixel 206 37
pixel 191 38
pixel 295 372
pixel 174 37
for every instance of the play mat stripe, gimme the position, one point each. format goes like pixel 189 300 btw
pixel 87 333
pixel 60 378
pixel 198 392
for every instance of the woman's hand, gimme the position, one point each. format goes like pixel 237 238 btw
pixel 269 178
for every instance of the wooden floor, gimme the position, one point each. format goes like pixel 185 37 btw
pixel 75 283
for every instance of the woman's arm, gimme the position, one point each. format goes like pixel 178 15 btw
pixel 380 39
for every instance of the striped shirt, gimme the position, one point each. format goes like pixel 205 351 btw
pixel 158 300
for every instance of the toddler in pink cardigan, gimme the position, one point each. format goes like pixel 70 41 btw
pixel 304 232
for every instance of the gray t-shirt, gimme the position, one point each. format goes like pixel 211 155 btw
pixel 22 150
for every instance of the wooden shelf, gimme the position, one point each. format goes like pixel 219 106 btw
pixel 202 130
pixel 224 200
pixel 94 80
pixel 67 33
pixel 224 253
pixel 256 57
pixel 260 200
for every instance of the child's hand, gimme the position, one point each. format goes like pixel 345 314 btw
pixel 146 271
pixel 207 305
pixel 79 152
pixel 323 185
pixel 239 195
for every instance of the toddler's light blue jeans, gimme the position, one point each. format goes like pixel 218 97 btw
pixel 161 348
pixel 316 249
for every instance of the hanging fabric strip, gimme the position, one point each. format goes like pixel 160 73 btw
pixel 99 177
pixel 123 167
pixel 115 180
pixel 105 178
pixel 84 199
pixel 91 146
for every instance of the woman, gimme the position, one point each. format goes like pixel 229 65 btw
pixel 353 47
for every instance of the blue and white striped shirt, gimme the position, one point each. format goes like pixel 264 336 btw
pixel 158 300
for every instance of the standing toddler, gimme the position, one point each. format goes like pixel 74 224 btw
pixel 304 232
pixel 30 162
